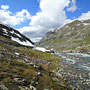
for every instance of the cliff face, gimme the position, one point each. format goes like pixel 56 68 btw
pixel 74 36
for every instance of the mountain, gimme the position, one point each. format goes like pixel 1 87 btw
pixel 72 37
pixel 14 35
pixel 22 68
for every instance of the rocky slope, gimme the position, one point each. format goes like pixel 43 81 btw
pixel 74 37
pixel 14 35
pixel 22 68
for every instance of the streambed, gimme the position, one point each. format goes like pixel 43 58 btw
pixel 75 69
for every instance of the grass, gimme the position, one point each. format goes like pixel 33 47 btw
pixel 5 39
pixel 38 54
pixel 12 67
pixel 7 80
pixel 87 40
pixel 43 56
pixel 23 70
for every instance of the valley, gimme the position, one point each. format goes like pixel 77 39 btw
pixel 44 44
pixel 60 61
pixel 24 68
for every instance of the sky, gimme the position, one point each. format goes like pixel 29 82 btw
pixel 34 18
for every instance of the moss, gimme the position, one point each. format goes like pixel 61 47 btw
pixel 48 83
pixel 7 80
pixel 17 63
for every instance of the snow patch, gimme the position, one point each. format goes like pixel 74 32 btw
pixel 40 49
pixel 5 30
pixel 17 53
pixel 86 24
pixel 27 43
pixel 43 49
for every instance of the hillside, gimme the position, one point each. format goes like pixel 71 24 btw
pixel 72 37
pixel 14 35
pixel 22 68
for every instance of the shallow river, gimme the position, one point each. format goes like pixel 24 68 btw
pixel 75 69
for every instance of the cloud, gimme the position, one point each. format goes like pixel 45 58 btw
pixel 52 13
pixel 35 33
pixel 85 16
pixel 51 16
pixel 73 6
pixel 4 7
pixel 9 18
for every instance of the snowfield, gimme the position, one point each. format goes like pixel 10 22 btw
pixel 43 49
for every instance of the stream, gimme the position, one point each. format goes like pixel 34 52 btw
pixel 75 69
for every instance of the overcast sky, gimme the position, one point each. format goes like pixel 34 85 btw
pixel 36 17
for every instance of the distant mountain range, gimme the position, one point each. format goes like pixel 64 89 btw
pixel 72 37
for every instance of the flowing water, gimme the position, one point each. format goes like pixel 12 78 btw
pixel 75 69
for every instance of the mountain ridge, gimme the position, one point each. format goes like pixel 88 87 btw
pixel 13 34
pixel 72 36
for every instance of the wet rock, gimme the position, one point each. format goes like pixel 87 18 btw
pixel 35 80
pixel 24 88
pixel 23 82
pixel 33 83
pixel 88 74
pixel 61 83
pixel 59 75
pixel 31 64
pixel 32 87
pixel 38 67
pixel 87 82
pixel 39 74
pixel 16 79
pixel 3 87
